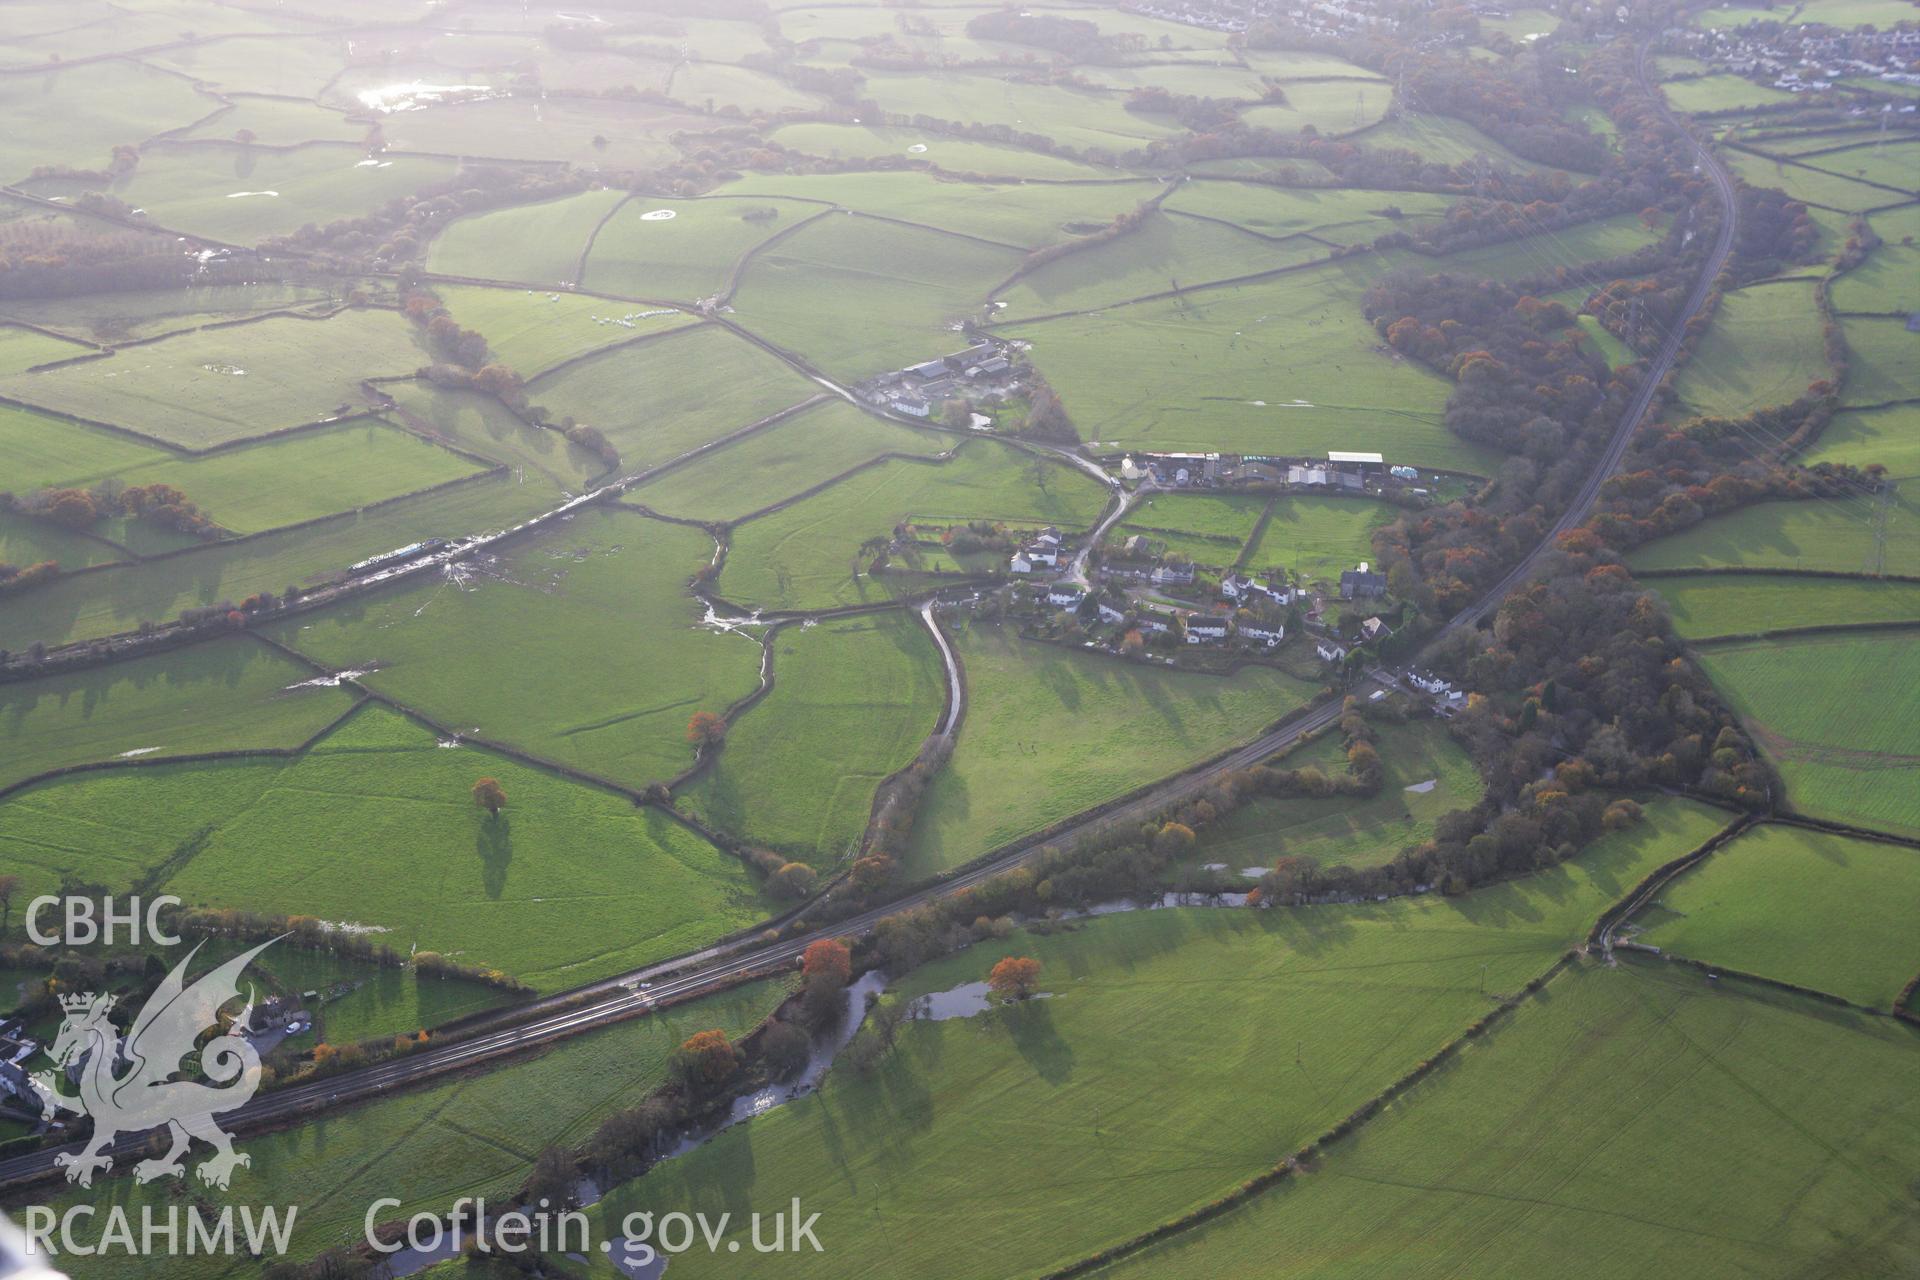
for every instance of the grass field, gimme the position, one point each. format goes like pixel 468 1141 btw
pixel 1043 732
pixel 803 556
pixel 1883 283
pixel 315 473
pixel 1346 831
pixel 540 244
pixel 657 400
pixel 1165 252
pixel 1343 215
pixel 218 385
pixel 245 194
pixel 852 700
pixel 1287 367
pixel 787 458
pixel 117 317
pixel 1211 528
pixel 43 452
pixel 475 1135
pixel 1443 140
pixel 1013 215
pixel 1712 604
pixel 688 256
pixel 120 599
pixel 220 696
pixel 1879 534
pixel 279 122
pixel 26 541
pixel 567 885
pixel 634 134
pixel 531 332
pixel 1763 348
pixel 1810 185
pixel 502 654
pixel 86 111
pixel 1817 910
pixel 1329 106
pixel 857 296
pixel 1708 1135
pixel 954 155
pixel 1883 361
pixel 1721 93
pixel 479 423
pixel 1079 118
pixel 1135 1077
pixel 1889 436
pixel 22 349
pixel 1819 707
pixel 1889 166
pixel 1316 538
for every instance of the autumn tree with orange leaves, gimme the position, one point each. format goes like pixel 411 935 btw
pixel 1014 977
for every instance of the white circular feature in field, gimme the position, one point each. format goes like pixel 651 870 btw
pixel 918 148
pixel 659 215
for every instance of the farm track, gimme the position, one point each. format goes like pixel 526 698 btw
pixel 715 968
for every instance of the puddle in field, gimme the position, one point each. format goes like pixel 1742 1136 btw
pixel 1423 787
pixel 967 1000
pixel 659 215
pixel 415 94
pixel 241 195
pixel 138 751
pixel 333 681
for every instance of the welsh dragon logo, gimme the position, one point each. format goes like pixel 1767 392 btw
pixel 127 1086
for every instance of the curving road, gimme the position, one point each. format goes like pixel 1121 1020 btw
pixel 713 968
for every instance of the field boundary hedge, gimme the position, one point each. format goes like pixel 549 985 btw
pixel 739 268
pixel 1813 629
pixel 1776 571
pixel 1601 935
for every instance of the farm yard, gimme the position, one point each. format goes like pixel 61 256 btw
pixel 1109 630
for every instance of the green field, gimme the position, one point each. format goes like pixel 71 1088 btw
pixel 631 134
pixel 1883 283
pixel 1837 13
pixel 1288 366
pixel 567 885
pixel 1820 708
pixel 687 256
pixel 1875 534
pixel 120 599
pixel 1883 361
pixel 86 111
pixel 1713 604
pixel 1080 118
pixel 1343 215
pixel 245 194
pixel 857 296
pixel 1888 166
pixel 27 541
pixel 1810 185
pixel 218 385
pixel 531 332
pixel 1889 436
pixel 1347 831
pixel 117 317
pixel 1763 349
pixel 278 122
pixel 315 473
pixel 952 155
pixel 543 461
pixel 852 700
pixel 1011 215
pixel 1443 140
pixel 501 655
pixel 1817 910
pixel 804 556
pixel 42 452
pixel 1721 93
pixel 1164 253
pixel 22 349
pixel 1708 1137
pixel 224 695
pixel 540 244
pixel 1210 528
pixel 475 1135
pixel 1327 106
pixel 657 400
pixel 1052 731
pixel 1317 538
pixel 1136 1079
pixel 786 458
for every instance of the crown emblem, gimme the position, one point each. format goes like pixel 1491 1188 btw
pixel 82 1002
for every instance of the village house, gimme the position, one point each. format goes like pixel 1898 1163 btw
pixel 1202 629
pixel 1173 575
pixel 1374 628
pixel 1110 614
pixel 1266 633
pixel 1331 651
pixel 1152 620
pixel 1362 584
pixel 1066 596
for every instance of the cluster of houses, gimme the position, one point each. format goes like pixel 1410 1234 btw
pixel 984 371
pixel 1211 17
pixel 1441 691
pixel 1351 472
pixel 1807 58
